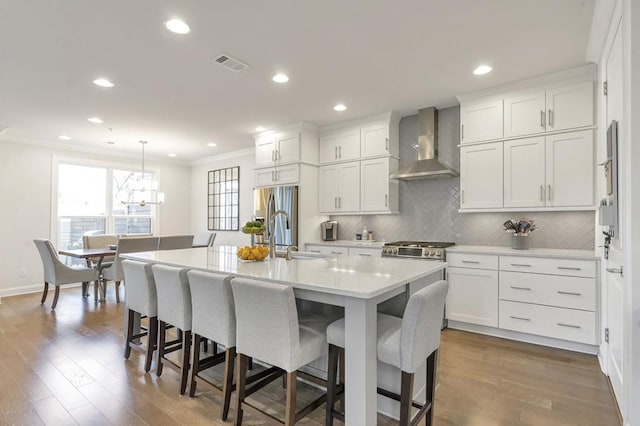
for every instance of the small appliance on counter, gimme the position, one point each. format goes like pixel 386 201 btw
pixel 329 230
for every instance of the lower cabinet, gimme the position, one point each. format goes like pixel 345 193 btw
pixel 473 296
pixel 352 251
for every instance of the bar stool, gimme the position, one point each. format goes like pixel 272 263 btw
pixel 268 329
pixel 174 308
pixel 140 296
pixel 404 343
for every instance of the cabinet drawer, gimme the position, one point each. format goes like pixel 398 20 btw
pixel 364 251
pixel 574 268
pixel 478 261
pixel 550 290
pixel 558 323
pixel 326 249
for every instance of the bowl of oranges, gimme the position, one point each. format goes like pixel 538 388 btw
pixel 253 252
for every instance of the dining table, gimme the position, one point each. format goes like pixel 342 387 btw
pixel 95 256
pixel 358 284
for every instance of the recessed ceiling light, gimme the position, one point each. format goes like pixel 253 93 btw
pixel 212 144
pixel 482 69
pixel 103 82
pixel 172 155
pixel 111 142
pixel 280 78
pixel 260 129
pixel 64 137
pixel 95 120
pixel 177 26
pixel 339 107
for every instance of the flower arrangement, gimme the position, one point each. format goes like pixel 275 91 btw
pixel 520 228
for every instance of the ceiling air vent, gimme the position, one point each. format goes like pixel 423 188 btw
pixel 230 63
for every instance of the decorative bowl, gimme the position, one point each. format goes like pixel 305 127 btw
pixel 253 252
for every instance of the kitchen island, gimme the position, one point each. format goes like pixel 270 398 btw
pixel 356 283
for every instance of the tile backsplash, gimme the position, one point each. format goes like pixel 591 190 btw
pixel 429 208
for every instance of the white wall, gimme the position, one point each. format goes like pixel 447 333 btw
pixel 246 160
pixel 25 213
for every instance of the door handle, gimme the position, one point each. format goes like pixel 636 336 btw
pixel 386 200
pixel 549 192
pixel 339 202
pixel 340 152
pixel 386 144
pixel 521 288
pixel 335 153
pixel 541 192
pixel 542 119
pixel 616 270
pixel 550 118
pixel 520 318
pixel 462 132
pixel 335 202
pixel 462 197
pixel 569 293
pixel 273 176
pixel 277 155
pixel 273 156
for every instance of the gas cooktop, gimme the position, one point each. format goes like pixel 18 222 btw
pixel 429 250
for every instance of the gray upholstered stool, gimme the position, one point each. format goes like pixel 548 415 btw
pixel 140 296
pixel 174 308
pixel 404 343
pixel 268 329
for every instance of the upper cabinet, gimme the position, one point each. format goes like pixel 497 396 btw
pixel 524 172
pixel 570 169
pixel 481 176
pixel 377 192
pixel 280 148
pixel 375 141
pixel 480 121
pixel 558 109
pixel 340 146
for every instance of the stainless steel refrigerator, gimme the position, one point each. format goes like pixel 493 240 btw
pixel 267 202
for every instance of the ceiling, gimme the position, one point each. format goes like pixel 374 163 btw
pixel 371 55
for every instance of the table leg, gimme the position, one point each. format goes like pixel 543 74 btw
pixel 361 374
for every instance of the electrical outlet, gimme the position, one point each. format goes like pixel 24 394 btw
pixel 22 272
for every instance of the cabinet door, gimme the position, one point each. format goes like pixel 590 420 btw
pixel 287 148
pixel 328 188
pixel 524 172
pixel 570 107
pixel 481 176
pixel 286 175
pixel 570 169
pixel 524 115
pixel 473 296
pixel 374 185
pixel 326 249
pixel 481 121
pixel 349 184
pixel 265 152
pixel 265 177
pixel 348 143
pixel 374 140
pixel 328 149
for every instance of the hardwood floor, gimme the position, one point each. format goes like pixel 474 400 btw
pixel 67 367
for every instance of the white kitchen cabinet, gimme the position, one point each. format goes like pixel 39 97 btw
pixel 273 176
pixel 341 146
pixel 339 187
pixel 524 172
pixel 365 251
pixel 265 151
pixel 325 249
pixel 473 296
pixel 481 121
pixel 374 140
pixel 570 107
pixel 278 148
pixel 570 169
pixel 342 249
pixel 481 179
pixel 525 114
pixel 378 193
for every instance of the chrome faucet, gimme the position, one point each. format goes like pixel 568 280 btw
pixel 271 229
pixel 289 250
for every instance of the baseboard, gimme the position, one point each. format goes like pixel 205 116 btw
pixel 524 337
pixel 28 289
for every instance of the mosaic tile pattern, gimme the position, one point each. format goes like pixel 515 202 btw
pixel 429 208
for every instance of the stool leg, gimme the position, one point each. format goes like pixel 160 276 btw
pixel 205 345
pixel 117 291
pixel 341 401
pixel 195 364
pixel 332 374
pixel 432 366
pixel 290 413
pixel 186 354
pixel 406 397
pixel 162 335
pixel 241 379
pixel 127 343
pixel 227 386
pixel 152 341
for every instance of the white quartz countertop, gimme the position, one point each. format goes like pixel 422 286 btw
pixel 533 252
pixel 353 276
pixel 348 243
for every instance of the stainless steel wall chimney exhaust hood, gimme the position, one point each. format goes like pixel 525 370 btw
pixel 428 166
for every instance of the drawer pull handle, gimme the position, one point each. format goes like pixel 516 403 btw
pixel 520 318
pixel 569 268
pixel 569 293
pixel 568 325
pixel 336 252
pixel 521 288
pixel 521 264
pixel 364 254
pixel 475 262
pixel 314 251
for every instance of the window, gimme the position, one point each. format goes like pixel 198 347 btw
pixel 89 201
pixel 223 189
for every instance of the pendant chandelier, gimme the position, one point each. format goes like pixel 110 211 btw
pixel 144 189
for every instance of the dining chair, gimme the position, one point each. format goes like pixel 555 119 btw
pixel 174 242
pixel 141 298
pixel 57 273
pixel 404 343
pixel 125 245
pixel 269 328
pixel 204 239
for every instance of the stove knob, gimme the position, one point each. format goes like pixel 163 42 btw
pixel 438 253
